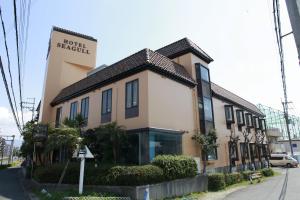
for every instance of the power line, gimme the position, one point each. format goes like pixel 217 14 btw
pixel 18 57
pixel 8 95
pixel 8 63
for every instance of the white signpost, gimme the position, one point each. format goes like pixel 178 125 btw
pixel 82 154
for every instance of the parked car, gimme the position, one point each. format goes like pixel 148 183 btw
pixel 283 160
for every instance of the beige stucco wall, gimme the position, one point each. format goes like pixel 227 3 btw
pixel 64 67
pixel 118 104
pixel 171 107
pixel 224 134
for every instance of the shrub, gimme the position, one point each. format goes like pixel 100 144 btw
pixel 134 175
pixel 216 182
pixel 52 173
pixel 267 172
pixel 246 174
pixel 176 167
pixel 232 178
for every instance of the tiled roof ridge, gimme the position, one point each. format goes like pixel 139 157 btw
pixel 59 29
pixel 235 95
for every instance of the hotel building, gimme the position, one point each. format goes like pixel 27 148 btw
pixel 162 97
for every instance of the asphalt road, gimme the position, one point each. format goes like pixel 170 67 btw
pixel 10 186
pixel 282 187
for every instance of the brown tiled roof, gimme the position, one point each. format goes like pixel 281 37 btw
pixel 230 97
pixel 142 60
pixel 182 47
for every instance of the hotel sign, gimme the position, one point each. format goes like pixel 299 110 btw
pixel 73 46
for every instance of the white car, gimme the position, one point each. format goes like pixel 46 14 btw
pixel 283 160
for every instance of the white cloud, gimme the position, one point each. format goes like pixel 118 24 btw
pixel 7 122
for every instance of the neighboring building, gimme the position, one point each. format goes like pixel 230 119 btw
pixel 275 119
pixel 162 97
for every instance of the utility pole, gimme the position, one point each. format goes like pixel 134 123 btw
pixel 286 117
pixel 29 105
pixel 279 37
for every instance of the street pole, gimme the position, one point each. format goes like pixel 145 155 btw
pixel 81 176
pixel 286 116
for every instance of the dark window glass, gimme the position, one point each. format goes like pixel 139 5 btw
pixel 132 94
pixel 206 89
pixel 244 150
pixel 106 101
pixel 233 151
pixel 276 158
pixel 58 117
pixel 73 110
pixel 249 121
pixel 229 113
pixel 204 73
pixel 85 109
pixel 208 115
pixel 212 154
pixel 164 143
pixel 240 117
pixel 132 99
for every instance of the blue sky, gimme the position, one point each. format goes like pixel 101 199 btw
pixel 238 35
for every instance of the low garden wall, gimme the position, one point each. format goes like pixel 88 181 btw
pixel 162 190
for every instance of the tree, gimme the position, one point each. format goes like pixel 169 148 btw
pixel 207 144
pixel 106 141
pixel 64 140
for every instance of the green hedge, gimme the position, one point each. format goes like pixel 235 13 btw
pixel 267 172
pixel 176 167
pixel 52 173
pixel 134 175
pixel 232 178
pixel 216 182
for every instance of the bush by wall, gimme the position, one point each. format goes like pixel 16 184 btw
pixel 134 175
pixel 267 172
pixel 176 167
pixel 216 182
pixel 232 178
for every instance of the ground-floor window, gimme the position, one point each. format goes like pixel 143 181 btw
pixel 145 145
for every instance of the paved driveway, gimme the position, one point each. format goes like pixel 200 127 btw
pixel 10 186
pixel 283 187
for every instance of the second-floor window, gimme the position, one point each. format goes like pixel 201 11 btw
pixel 84 111
pixel 132 99
pixel 106 106
pixel 58 117
pixel 73 110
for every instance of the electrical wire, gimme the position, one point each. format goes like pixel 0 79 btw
pixel 8 95
pixel 8 63
pixel 18 57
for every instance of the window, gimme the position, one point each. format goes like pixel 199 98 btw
pixel 212 154
pixel 73 110
pixel 262 124
pixel 164 143
pixel 204 73
pixel 106 106
pixel 229 114
pixel 208 115
pixel 249 121
pixel 58 117
pixel 256 122
pixel 234 156
pixel 240 117
pixel 276 158
pixel 132 100
pixel 244 151
pixel 85 109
